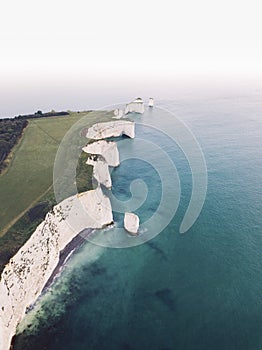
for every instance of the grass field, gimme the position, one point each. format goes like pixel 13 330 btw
pixel 26 188
pixel 30 173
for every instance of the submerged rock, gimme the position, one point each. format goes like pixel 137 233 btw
pixel 131 223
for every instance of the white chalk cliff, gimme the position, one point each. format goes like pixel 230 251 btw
pixel 102 155
pixel 131 223
pixel 111 129
pixel 107 149
pixel 136 106
pixel 100 170
pixel 26 274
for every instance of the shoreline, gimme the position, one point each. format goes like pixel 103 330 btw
pixel 41 260
pixel 66 254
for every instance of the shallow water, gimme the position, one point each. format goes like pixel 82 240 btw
pixel 199 290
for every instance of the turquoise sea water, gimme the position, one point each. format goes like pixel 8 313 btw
pixel 200 290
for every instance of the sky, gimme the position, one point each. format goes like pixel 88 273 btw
pixel 51 49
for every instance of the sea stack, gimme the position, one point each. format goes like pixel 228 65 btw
pixel 137 106
pixel 131 223
pixel 151 102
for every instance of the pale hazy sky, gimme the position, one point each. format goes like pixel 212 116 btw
pixel 55 42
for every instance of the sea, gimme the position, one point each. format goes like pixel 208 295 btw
pixel 193 280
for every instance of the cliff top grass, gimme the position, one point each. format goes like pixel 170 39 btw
pixel 26 188
pixel 30 173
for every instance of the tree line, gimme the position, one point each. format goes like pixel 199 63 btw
pixel 11 130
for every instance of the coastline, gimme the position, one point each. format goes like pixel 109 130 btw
pixel 27 273
pixel 65 255
pixel 41 259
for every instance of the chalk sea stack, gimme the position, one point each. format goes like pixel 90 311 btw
pixel 131 223
pixel 137 106
pixel 151 102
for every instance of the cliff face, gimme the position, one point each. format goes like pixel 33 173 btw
pixel 108 150
pixel 100 171
pixel 28 271
pixel 136 106
pixel 102 155
pixel 26 274
pixel 131 223
pixel 111 129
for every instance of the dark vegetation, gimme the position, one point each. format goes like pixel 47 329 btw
pixel 11 130
pixel 40 114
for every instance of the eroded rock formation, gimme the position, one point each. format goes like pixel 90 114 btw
pixel 111 129
pixel 136 106
pixel 131 223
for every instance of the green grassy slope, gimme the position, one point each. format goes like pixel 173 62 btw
pixel 26 189
pixel 30 174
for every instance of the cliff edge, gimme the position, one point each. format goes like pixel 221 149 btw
pixel 26 274
pixel 28 271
